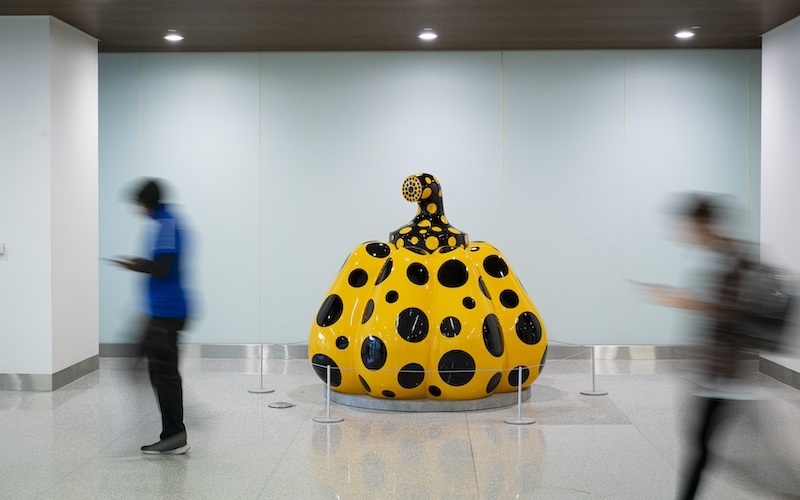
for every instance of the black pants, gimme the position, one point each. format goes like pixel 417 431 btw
pixel 714 413
pixel 160 347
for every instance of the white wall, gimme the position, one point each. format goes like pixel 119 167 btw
pixel 285 162
pixel 25 345
pixel 780 152
pixel 48 201
pixel 74 243
pixel 779 144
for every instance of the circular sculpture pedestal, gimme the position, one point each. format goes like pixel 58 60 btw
pixel 429 405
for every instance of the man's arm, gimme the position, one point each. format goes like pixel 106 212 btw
pixel 158 268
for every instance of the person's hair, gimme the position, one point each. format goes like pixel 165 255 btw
pixel 149 194
pixel 702 211
pixel 697 208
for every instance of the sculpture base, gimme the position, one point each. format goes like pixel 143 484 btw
pixel 429 405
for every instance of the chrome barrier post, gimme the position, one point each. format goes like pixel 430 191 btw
pixel 519 420
pixel 594 391
pixel 261 389
pixel 327 418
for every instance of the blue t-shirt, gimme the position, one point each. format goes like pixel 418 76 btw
pixel 166 296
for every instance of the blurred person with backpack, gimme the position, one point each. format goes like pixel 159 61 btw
pixel 743 306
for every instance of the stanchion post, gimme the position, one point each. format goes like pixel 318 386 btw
pixel 327 418
pixel 594 391
pixel 519 420
pixel 261 389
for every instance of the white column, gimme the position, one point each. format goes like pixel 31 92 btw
pixel 780 164
pixel 780 148
pixel 48 203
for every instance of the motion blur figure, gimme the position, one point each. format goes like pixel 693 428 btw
pixel 713 296
pixel 167 315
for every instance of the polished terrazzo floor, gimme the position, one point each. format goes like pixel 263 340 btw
pixel 82 441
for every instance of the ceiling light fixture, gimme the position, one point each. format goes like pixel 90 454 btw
pixel 173 36
pixel 684 34
pixel 427 34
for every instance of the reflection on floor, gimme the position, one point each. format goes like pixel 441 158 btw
pixel 82 441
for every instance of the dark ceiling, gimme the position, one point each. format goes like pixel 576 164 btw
pixel 345 25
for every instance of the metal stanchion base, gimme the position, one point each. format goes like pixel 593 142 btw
pixel 429 405
pixel 327 420
pixel 260 391
pixel 280 405
pixel 594 393
pixel 519 421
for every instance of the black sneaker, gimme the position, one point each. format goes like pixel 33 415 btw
pixel 173 445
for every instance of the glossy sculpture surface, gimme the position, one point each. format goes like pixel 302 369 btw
pixel 427 315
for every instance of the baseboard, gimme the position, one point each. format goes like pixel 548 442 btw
pixel 624 352
pixel 779 372
pixel 234 351
pixel 44 382
pixel 300 351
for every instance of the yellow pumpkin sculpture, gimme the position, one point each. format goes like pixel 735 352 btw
pixel 428 315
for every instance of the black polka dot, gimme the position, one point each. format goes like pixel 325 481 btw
pixel 495 266
pixel 529 330
pixel 450 326
pixel 456 368
pixel 513 376
pixel 492 335
pixel 435 391
pixel 416 250
pixel 319 362
pixel 509 299
pixel 453 274
pixel 493 382
pixel 447 249
pixel 412 324
pixel 474 249
pixel 417 274
pixel 368 310
pixel 330 311
pixel 342 342
pixel 385 271
pixel 364 383
pixel 357 278
pixel 482 285
pixel 468 302
pixel 411 375
pixel 544 359
pixel 392 297
pixel 373 353
pixel 388 394
pixel 379 250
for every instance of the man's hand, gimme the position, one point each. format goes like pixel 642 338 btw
pixel 132 263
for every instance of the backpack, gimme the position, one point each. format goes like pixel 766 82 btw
pixel 766 298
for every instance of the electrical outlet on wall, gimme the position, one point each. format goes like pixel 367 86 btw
pixel 2 249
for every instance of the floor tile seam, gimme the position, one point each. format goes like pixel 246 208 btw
pixel 781 409
pixel 283 455
pixel 615 406
pixel 312 405
pixel 472 454
pixel 658 450
pixel 53 487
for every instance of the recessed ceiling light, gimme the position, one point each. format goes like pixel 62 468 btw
pixel 427 34
pixel 173 36
pixel 684 34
